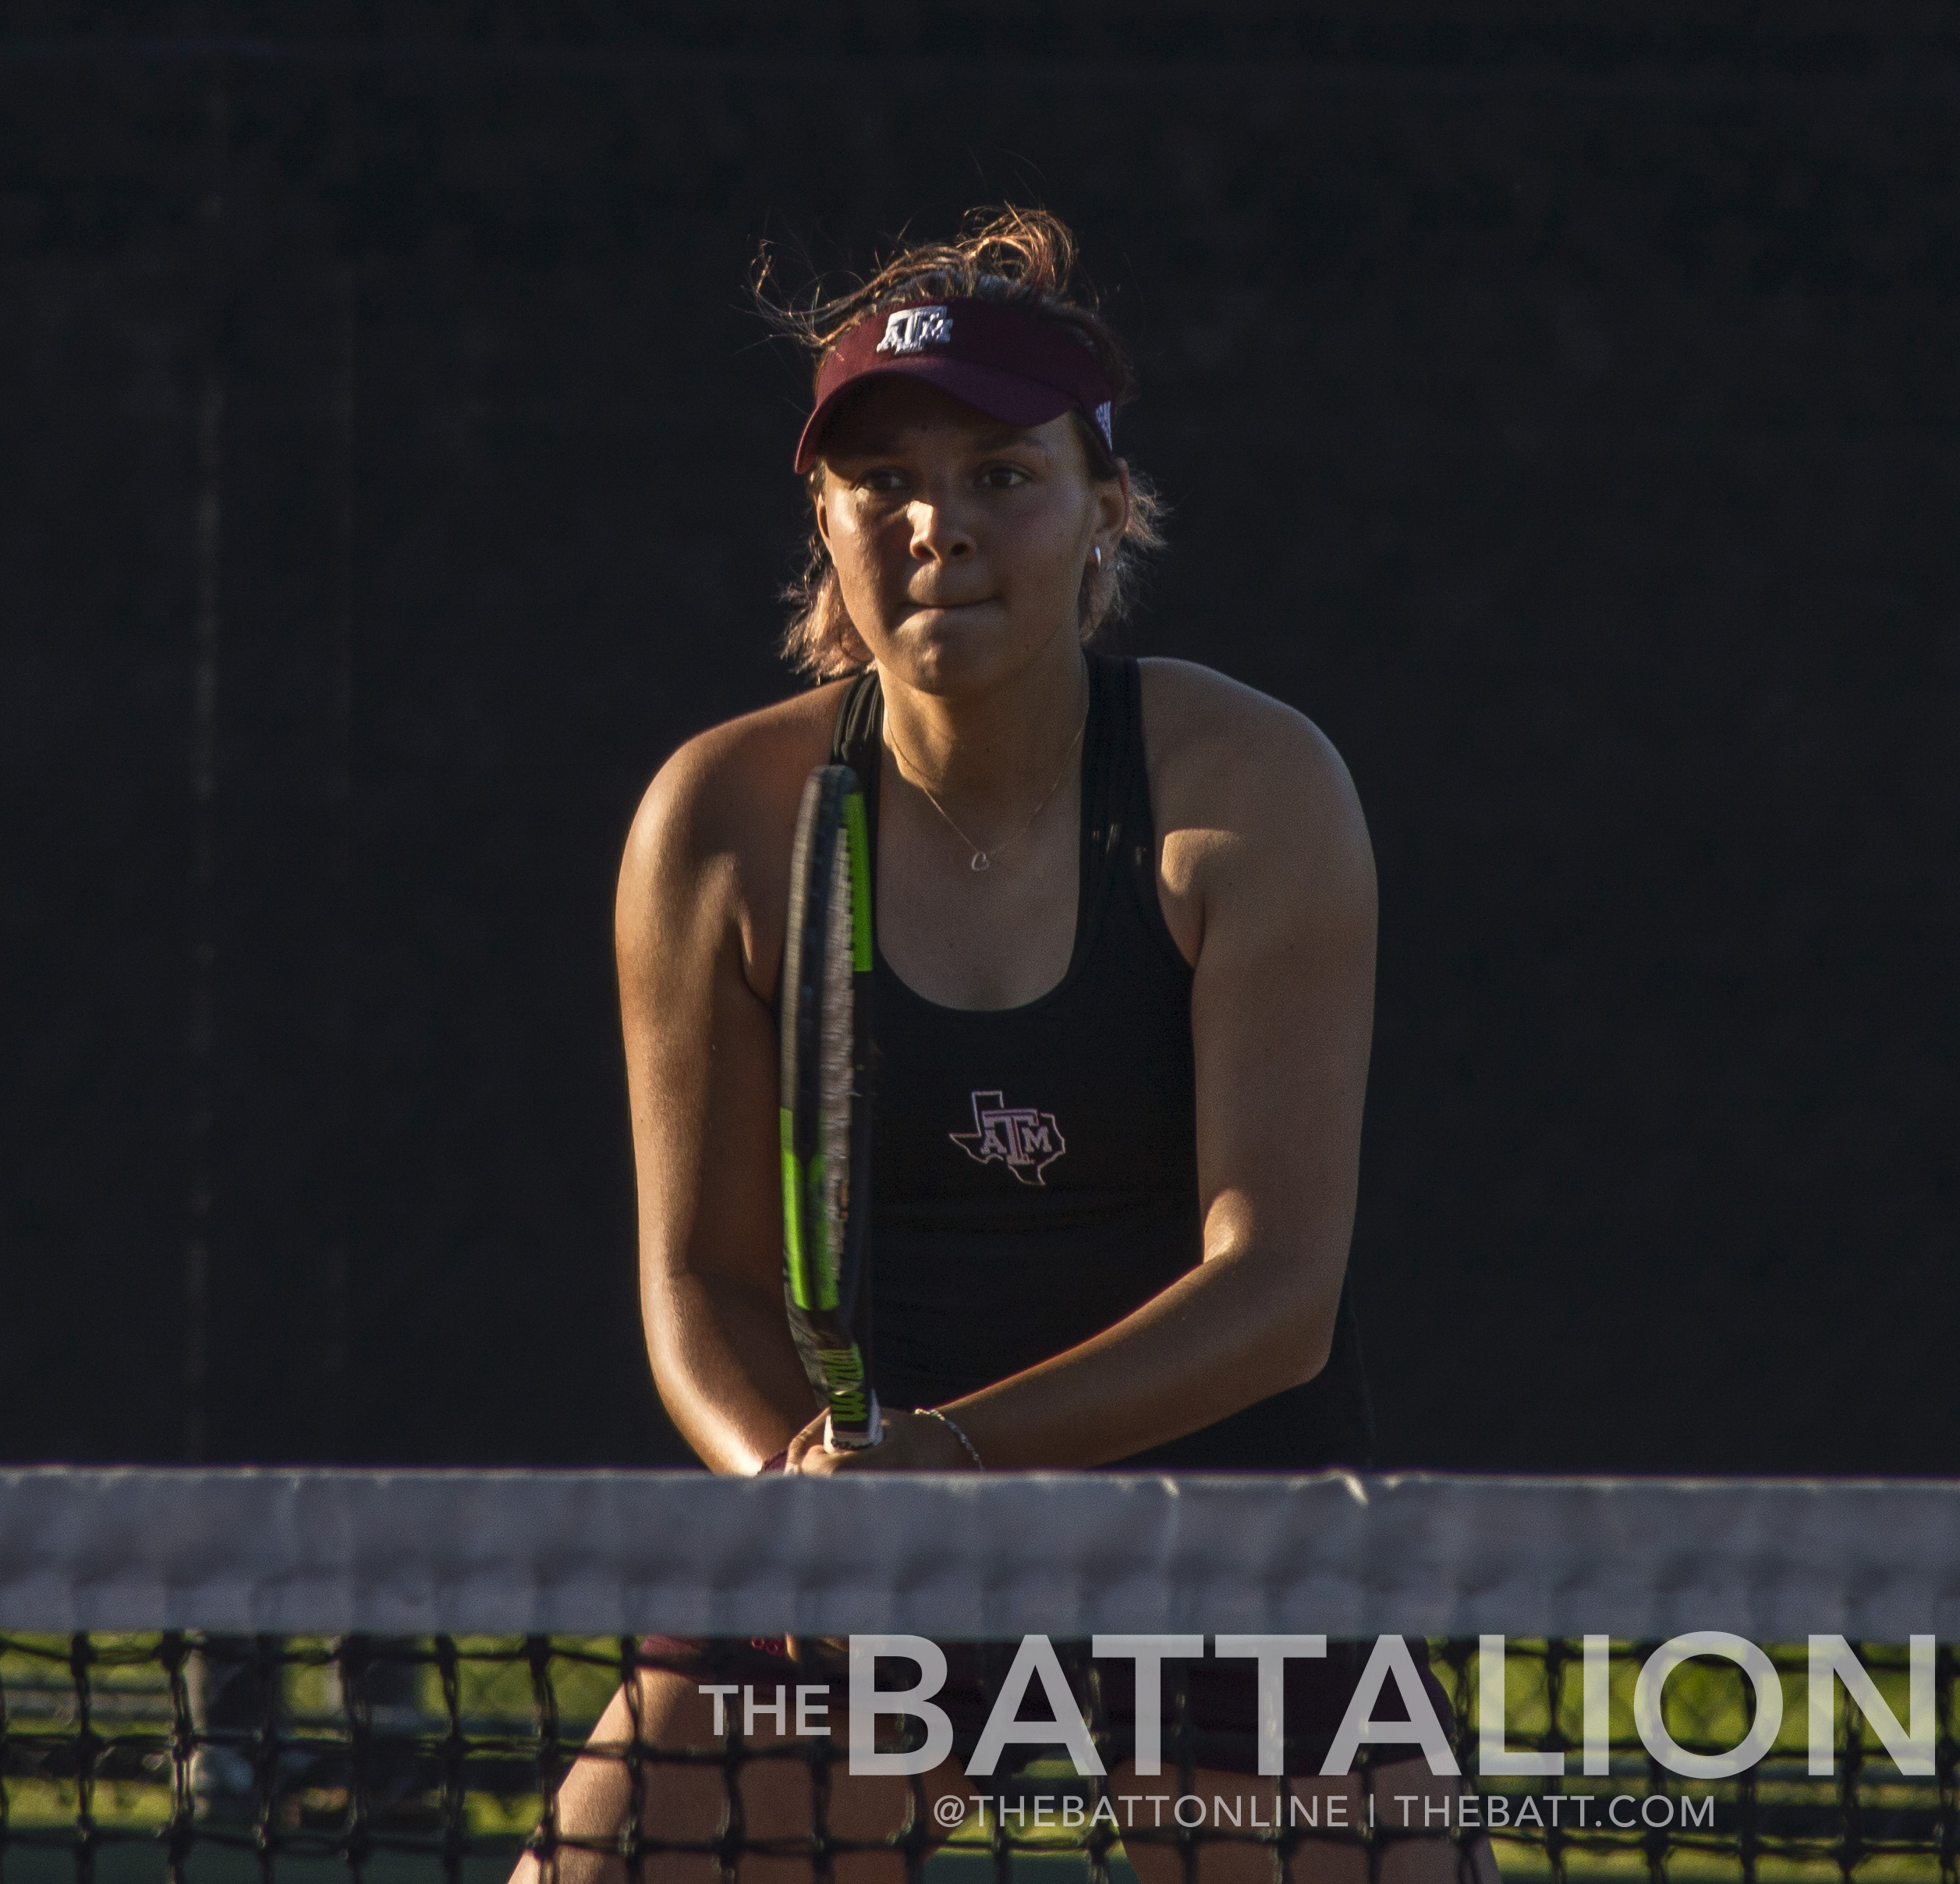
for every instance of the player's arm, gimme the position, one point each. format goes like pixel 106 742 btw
pixel 702 1075
pixel 1271 890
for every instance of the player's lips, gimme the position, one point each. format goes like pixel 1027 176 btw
pixel 946 606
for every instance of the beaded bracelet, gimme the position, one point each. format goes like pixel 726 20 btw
pixel 952 1426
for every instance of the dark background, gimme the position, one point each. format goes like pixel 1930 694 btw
pixel 1557 402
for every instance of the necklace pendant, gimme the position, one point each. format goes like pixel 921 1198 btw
pixel 981 861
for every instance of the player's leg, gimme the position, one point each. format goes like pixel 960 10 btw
pixel 772 1802
pixel 1232 1813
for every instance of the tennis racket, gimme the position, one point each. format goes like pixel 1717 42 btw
pixel 826 1112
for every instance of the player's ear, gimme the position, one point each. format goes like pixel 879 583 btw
pixel 819 487
pixel 1115 495
pixel 1112 506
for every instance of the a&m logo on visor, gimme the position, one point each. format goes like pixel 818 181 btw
pixel 914 329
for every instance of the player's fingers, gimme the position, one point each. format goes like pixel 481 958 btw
pixel 809 1440
pixel 910 1445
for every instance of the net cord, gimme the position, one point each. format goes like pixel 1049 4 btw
pixel 414 1552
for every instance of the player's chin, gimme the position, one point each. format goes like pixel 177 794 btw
pixel 948 651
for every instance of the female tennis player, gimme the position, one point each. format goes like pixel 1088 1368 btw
pixel 1125 918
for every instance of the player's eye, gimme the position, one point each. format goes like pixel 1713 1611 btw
pixel 880 480
pixel 1004 476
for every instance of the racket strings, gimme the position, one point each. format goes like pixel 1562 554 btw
pixel 837 1081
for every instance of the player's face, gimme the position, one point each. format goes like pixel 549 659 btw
pixel 960 544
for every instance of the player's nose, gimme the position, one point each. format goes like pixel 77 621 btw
pixel 940 534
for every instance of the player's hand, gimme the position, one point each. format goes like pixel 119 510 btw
pixel 911 1444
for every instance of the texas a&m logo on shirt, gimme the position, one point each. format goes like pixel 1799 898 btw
pixel 1026 1141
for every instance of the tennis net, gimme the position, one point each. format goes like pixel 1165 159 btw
pixel 212 1675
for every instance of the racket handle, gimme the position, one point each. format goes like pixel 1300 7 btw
pixel 873 1435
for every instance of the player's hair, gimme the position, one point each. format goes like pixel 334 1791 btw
pixel 1026 258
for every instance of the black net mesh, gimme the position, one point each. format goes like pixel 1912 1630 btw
pixel 214 1756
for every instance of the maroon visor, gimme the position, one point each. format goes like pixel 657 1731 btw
pixel 1002 360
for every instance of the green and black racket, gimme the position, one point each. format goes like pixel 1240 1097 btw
pixel 826 1099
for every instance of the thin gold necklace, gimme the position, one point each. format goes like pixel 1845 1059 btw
pixel 983 859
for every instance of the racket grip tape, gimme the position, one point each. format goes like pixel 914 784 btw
pixel 855 1439
pixel 835 1369
pixel 853 1422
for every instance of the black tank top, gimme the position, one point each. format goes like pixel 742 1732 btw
pixel 1034 1169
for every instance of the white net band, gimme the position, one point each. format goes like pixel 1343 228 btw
pixel 406 1553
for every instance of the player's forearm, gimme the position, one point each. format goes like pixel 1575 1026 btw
pixel 1246 1325
pixel 726 1368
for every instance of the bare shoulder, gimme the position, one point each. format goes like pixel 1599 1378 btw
pixel 1249 795
pixel 707 797
pixel 709 851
